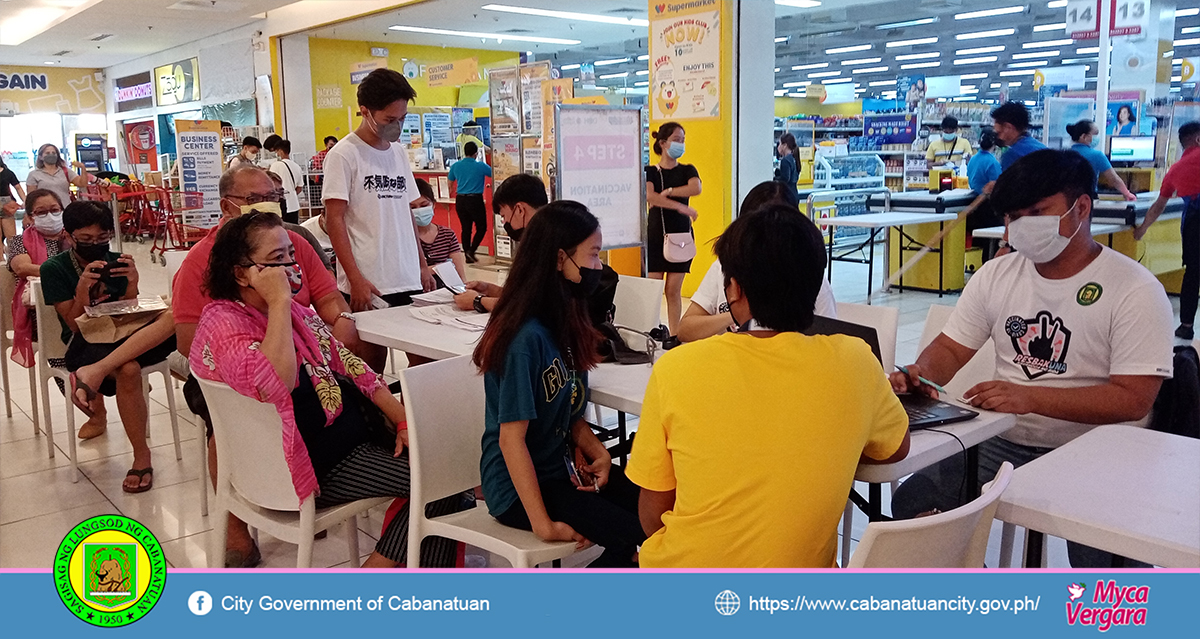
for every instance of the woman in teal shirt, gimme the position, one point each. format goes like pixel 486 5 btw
pixel 1082 134
pixel 984 168
pixel 542 467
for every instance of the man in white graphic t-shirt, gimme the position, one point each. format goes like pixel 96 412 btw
pixel 368 187
pixel 1082 333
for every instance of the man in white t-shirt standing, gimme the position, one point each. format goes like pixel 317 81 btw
pixel 1082 333
pixel 368 186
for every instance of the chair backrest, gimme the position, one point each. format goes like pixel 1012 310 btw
pixel 249 437
pixel 639 303
pixel 50 343
pixel 8 288
pixel 981 367
pixel 884 319
pixel 444 402
pixel 174 259
pixel 955 539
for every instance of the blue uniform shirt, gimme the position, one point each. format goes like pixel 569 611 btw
pixel 1095 158
pixel 469 174
pixel 983 168
pixel 1019 149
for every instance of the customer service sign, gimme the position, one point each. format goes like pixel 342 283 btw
pixel 685 60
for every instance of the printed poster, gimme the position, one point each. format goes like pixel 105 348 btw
pixel 911 89
pixel 894 128
pixel 685 55
pixel 505 101
pixel 506 158
pixel 532 77
pixel 454 73
pixel 553 92
pixel 201 162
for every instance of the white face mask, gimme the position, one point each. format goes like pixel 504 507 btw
pixel 50 224
pixel 1037 237
pixel 262 207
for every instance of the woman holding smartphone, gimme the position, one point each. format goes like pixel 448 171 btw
pixel 542 468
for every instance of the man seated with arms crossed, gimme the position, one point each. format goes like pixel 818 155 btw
pixel 1082 333
pixel 246 190
pixel 516 200
pixel 731 474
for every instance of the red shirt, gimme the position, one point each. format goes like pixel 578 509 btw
pixel 190 296
pixel 1183 179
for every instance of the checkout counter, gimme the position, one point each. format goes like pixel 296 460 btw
pixel 924 275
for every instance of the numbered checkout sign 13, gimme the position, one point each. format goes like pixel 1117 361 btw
pixel 1129 17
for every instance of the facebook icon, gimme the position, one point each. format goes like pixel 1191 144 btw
pixel 200 603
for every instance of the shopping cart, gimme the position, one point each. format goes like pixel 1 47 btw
pixel 173 234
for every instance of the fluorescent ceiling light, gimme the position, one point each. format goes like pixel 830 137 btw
pixel 1015 84
pixel 850 63
pixel 643 72
pixel 1021 65
pixel 1188 42
pixel 780 92
pixel 802 4
pixel 973 76
pixel 857 47
pixel 995 85
pixel 987 13
pixel 1058 26
pixel 1190 30
pixel 967 89
pixel 911 43
pixel 605 63
pixel 797 95
pixel 1176 78
pixel 1176 62
pixel 1076 60
pixel 486 36
pixel 1056 4
pixel 815 65
pixel 643 58
pixel 907 23
pixel 49 62
pixel 1184 13
pixel 921 65
pixel 1046 44
pixel 882 83
pixel 776 69
pixel 870 70
pixel 1036 54
pixel 1007 74
pixel 825 74
pixel 980 50
pixel 994 33
pixel 612 76
pixel 1087 50
pixel 567 15
pixel 837 81
pixel 641 84
pixel 568 67
pixel 797 84
pixel 781 39
pixel 979 60
pixel 918 56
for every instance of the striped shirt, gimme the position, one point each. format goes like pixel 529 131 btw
pixel 442 247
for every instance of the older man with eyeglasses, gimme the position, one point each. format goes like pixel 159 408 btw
pixel 249 190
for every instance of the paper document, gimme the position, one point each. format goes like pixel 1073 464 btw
pixel 127 307
pixel 433 298
pixel 449 276
pixel 446 316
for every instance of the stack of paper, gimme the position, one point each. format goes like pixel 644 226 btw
pixel 433 298
pixel 448 315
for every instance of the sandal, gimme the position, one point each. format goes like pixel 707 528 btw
pixel 140 474
pixel 84 406
pixel 239 559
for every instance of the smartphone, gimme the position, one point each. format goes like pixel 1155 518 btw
pixel 573 472
pixel 106 270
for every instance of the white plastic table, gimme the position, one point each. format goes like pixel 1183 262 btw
pixel 1130 491
pixel 1098 228
pixel 876 222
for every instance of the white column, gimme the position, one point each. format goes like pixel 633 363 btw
pixel 754 97
pixel 1103 74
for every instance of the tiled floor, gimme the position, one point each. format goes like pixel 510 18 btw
pixel 39 503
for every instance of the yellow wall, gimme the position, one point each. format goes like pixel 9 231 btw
pixel 785 106
pixel 331 61
pixel 66 90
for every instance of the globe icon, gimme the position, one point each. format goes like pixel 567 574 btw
pixel 727 602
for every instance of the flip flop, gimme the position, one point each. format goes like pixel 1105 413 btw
pixel 140 474
pixel 77 385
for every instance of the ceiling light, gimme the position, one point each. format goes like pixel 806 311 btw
pixel 973 76
pixel 882 83
pixel 1184 13
pixel 968 89
pixel 485 36
pixel 837 81
pixel 567 15
pixel 780 92
pixel 1046 44
pixel 789 85
pixel 850 63
pixel 980 50
pixel 776 69
pixel 1188 42
pixel 1007 74
pixel 921 65
pixel 801 4
pixel 1056 4
pixel 1058 26
pixel 1015 84
pixel 643 58
pixel 857 47
pixel 994 33
pixel 918 56
pixel 611 76
pixel 605 63
pixel 987 13
pixel 1021 65
pixel 642 72
pixel 979 60
pixel 641 84
pixel 1190 30
pixel 871 70
pixel 907 23
pixel 568 67
pixel 995 85
pixel 781 39
pixel 1087 50
pixel 912 43
pixel 797 95
pixel 1176 62
pixel 825 74
pixel 1176 78
pixel 1076 60
pixel 49 62
pixel 1036 54
pixel 1031 103
pixel 815 65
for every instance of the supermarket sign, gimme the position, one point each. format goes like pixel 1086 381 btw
pixel 1129 17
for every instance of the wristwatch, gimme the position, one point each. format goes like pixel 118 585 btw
pixel 347 315
pixel 478 304
pixel 1002 244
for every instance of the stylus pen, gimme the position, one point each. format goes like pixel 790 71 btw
pixel 923 380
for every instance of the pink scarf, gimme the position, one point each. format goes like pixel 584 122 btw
pixel 35 247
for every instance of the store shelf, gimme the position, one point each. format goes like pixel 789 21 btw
pixel 833 129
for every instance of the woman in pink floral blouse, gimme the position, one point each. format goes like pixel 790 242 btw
pixel 338 415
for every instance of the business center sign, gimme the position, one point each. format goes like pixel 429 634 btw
pixel 134 92
pixel 178 82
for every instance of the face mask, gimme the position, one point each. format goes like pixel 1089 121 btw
pixel 675 150
pixel 91 252
pixel 589 280
pixel 948 137
pixel 248 154
pixel 294 275
pixel 423 215
pixel 50 159
pixel 50 224
pixel 262 207
pixel 388 132
pixel 1037 238
pixel 514 233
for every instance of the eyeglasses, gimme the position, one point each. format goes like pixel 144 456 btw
pixel 38 212
pixel 93 241
pixel 259 198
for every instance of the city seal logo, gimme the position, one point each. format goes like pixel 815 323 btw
pixel 1089 294
pixel 110 571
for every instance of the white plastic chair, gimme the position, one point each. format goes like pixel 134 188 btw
pixel 981 367
pixel 254 483
pixel 884 319
pixel 955 539
pixel 8 287
pixel 639 307
pixel 444 402
pixel 180 369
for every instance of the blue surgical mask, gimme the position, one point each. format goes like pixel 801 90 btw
pixel 675 150
pixel 423 215
pixel 948 137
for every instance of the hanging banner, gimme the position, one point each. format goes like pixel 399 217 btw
pixel 454 73
pixel 42 90
pixel 911 89
pixel 1129 17
pixel 554 92
pixel 587 75
pixel 685 61
pixel 599 151
pixel 140 144
pixel 1073 77
pixel 198 146
pixel 360 70
pixel 894 128
pixel 532 77
pixel 177 83
pixel 505 101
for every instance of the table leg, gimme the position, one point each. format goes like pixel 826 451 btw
pixel 874 502
pixel 900 251
pixel 1007 533
pixel 829 271
pixel 941 261
pixel 871 264
pixel 622 436
pixel 1110 240
pixel 972 478
pixel 1118 561
pixel 1033 548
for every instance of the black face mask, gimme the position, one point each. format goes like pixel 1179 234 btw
pixel 589 281
pixel 515 234
pixel 92 252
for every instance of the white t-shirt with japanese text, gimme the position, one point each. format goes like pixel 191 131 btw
pixel 377 185
pixel 710 295
pixel 1111 318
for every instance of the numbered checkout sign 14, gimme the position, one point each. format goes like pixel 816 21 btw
pixel 1129 17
